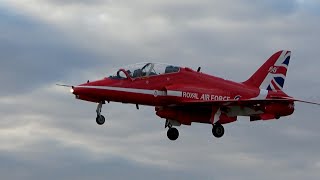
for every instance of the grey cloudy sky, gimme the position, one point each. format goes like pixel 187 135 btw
pixel 46 134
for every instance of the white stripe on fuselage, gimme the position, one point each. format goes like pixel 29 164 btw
pixel 174 93
pixel 262 94
pixel 139 91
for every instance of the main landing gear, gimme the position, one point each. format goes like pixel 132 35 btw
pixel 172 132
pixel 217 130
pixel 100 119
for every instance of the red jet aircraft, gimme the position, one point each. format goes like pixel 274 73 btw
pixel 182 96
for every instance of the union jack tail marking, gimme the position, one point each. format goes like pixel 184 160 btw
pixel 271 75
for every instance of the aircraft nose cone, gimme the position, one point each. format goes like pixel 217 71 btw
pixel 78 90
pixel 72 90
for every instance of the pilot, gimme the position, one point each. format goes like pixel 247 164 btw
pixel 129 73
pixel 137 73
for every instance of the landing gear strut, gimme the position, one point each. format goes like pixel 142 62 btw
pixel 172 132
pixel 100 118
pixel 217 130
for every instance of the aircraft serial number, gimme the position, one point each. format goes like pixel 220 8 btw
pixel 205 97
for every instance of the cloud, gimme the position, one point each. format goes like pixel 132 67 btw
pixel 46 133
pixel 33 53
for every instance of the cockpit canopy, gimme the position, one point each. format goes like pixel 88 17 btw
pixel 144 70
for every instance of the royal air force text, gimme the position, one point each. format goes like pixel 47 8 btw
pixel 205 97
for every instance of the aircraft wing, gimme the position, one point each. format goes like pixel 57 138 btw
pixel 243 102
pixel 230 102
pixel 299 100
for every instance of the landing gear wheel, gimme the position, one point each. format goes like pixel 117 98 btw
pixel 173 134
pixel 100 119
pixel 217 130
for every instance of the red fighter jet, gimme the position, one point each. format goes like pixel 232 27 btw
pixel 181 95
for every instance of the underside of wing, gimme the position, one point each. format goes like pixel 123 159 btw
pixel 242 102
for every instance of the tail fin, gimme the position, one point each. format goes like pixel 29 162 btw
pixel 271 75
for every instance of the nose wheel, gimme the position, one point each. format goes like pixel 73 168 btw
pixel 100 119
pixel 217 130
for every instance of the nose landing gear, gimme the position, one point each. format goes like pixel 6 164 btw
pixel 100 119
